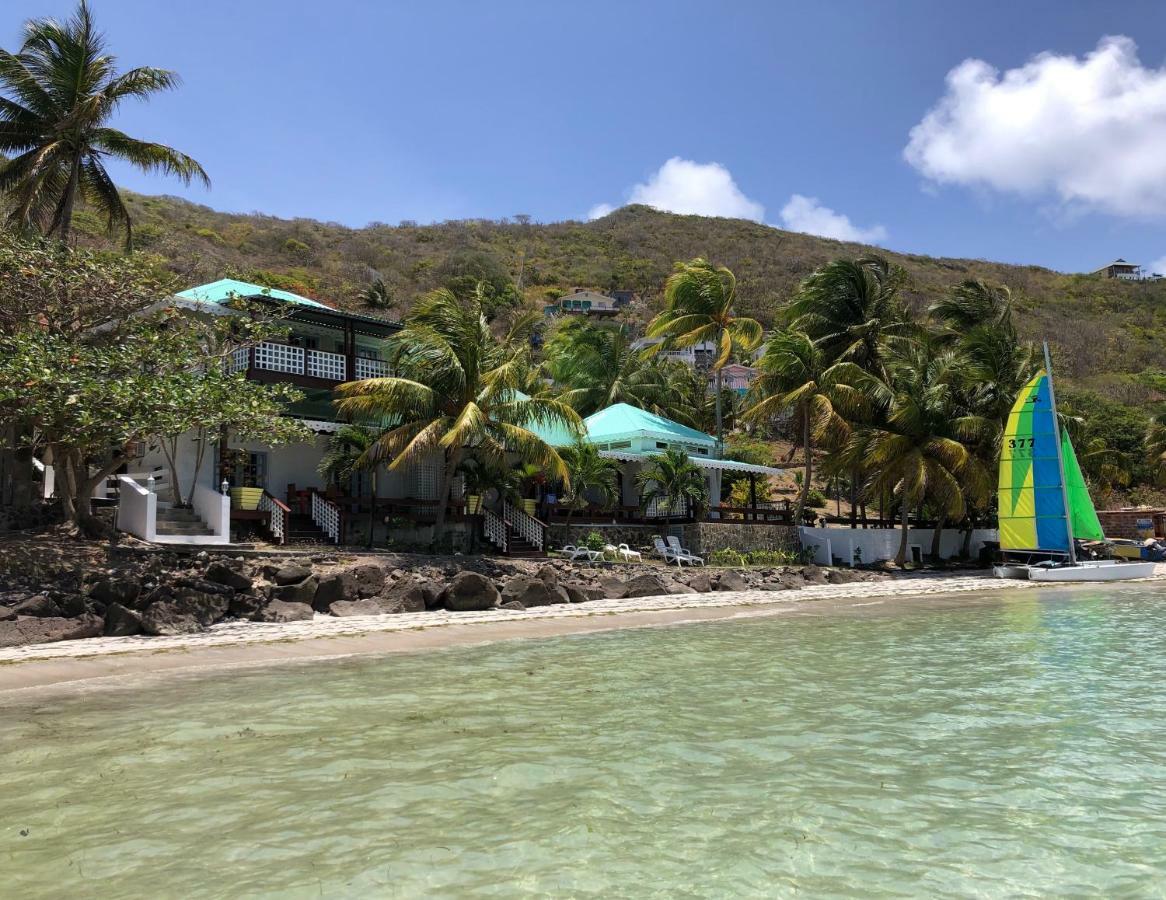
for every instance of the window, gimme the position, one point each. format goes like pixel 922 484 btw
pixel 660 445
pixel 250 469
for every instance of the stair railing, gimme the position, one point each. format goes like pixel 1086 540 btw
pixel 278 513
pixel 526 525
pixel 326 515
pixel 495 529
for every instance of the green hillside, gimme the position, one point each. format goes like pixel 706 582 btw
pixel 1109 335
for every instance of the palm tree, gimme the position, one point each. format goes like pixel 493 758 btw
pixel 590 474
pixel 378 295
pixel 60 91
pixel 973 304
pixel 345 457
pixel 598 367
pixel 672 477
pixel 923 447
pixel 699 300
pixel 852 310
pixel 797 376
pixel 457 395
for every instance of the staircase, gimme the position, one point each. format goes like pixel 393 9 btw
pixel 518 546
pixel 302 530
pixel 511 535
pixel 176 521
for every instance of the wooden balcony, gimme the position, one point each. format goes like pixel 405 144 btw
pixel 271 362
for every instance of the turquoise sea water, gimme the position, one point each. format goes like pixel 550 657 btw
pixel 1014 748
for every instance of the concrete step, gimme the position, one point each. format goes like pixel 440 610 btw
pixel 182 528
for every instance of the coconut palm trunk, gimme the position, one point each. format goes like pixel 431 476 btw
pixel 804 494
pixel 937 538
pixel 901 556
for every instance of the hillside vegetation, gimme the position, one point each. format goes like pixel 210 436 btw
pixel 1108 336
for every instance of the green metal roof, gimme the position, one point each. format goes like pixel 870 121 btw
pixel 623 420
pixel 227 288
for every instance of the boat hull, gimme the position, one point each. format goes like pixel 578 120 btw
pixel 1105 570
pixel 1019 573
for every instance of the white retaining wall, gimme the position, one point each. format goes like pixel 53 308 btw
pixel 214 509
pixel 137 509
pixel 883 543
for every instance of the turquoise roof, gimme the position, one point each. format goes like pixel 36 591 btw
pixel 623 420
pixel 226 288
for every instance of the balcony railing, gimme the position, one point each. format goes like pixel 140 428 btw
pixel 290 360
pixel 371 368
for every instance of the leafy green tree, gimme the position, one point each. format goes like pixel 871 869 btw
pixel 598 367
pixel 921 449
pixel 852 310
pixel 699 299
pixel 590 474
pixel 60 91
pixel 673 478
pixel 91 363
pixel 797 377
pixel 457 395
pixel 378 295
pixel 1156 444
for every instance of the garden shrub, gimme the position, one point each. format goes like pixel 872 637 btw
pixel 595 541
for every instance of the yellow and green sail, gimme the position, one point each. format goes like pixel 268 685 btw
pixel 1032 505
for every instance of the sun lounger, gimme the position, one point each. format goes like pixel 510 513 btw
pixel 667 554
pixel 629 554
pixel 687 555
pixel 573 553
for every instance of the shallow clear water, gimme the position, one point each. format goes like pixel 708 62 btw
pixel 1018 748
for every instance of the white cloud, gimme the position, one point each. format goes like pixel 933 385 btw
pixel 1157 267
pixel 599 210
pixel 1089 131
pixel 691 188
pixel 808 215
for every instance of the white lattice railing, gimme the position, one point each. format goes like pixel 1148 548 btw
pixel 239 361
pixel 326 514
pixel 326 365
pixel 277 515
pixel 527 526
pixel 371 368
pixel 279 358
pixel 495 529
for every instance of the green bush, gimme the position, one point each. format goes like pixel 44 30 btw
pixel 771 558
pixel 816 499
pixel 595 541
pixel 727 557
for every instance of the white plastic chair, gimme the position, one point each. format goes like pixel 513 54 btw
pixel 629 554
pixel 573 553
pixel 687 555
pixel 666 554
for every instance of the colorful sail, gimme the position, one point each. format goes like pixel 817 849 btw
pixel 1082 513
pixel 1031 503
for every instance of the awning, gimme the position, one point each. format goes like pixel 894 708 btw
pixel 726 465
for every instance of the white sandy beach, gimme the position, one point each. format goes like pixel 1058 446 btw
pixel 247 643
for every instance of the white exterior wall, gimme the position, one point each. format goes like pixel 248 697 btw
pixel 883 543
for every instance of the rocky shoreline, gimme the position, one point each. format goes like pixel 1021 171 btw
pixel 167 594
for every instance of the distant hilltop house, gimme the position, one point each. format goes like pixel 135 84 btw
pixel 736 378
pixel 588 303
pixel 698 356
pixel 1119 268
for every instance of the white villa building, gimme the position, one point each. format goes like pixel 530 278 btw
pixel 278 493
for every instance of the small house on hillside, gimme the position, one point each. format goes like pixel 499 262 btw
pixel 736 378
pixel 698 356
pixel 583 302
pixel 1119 268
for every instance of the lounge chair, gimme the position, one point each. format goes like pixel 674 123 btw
pixel 573 553
pixel 629 554
pixel 668 555
pixel 687 555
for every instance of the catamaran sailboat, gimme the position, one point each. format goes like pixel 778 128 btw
pixel 1044 502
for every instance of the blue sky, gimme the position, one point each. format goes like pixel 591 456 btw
pixel 356 112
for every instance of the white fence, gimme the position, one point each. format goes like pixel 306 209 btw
pixel 214 509
pixel 873 544
pixel 137 509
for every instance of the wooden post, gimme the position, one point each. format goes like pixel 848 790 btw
pixel 753 494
